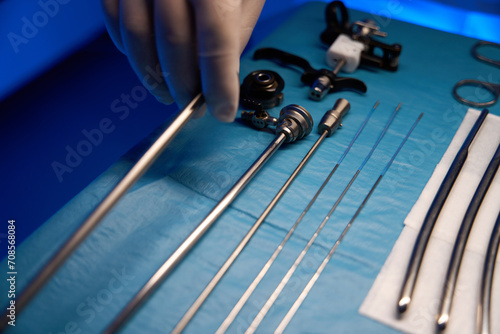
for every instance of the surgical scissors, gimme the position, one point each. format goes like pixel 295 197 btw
pixel 491 87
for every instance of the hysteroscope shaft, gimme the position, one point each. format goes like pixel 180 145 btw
pixel 294 123
pixel 193 238
pixel 63 253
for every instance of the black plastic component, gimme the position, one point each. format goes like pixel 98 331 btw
pixel 336 26
pixel 310 74
pixel 262 89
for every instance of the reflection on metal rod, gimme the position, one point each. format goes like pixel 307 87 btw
pixel 328 125
pixel 295 123
pixel 484 306
pixel 106 205
pixel 461 240
pixel 263 311
pixel 288 317
pixel 239 305
pixel 432 215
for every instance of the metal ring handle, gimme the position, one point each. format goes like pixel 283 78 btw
pixel 479 56
pixel 492 88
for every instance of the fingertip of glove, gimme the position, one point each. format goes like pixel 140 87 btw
pixel 225 113
pixel 165 99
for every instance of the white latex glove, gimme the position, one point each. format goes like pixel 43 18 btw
pixel 194 44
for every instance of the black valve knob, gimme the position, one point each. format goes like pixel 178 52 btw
pixel 262 89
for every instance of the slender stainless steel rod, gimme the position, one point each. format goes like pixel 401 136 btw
pixel 225 267
pixel 461 240
pixel 433 214
pixel 329 124
pixel 295 123
pixel 263 311
pixel 105 206
pixel 290 314
pixel 483 325
pixel 236 309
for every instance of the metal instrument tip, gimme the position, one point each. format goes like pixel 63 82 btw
pixel 442 321
pixel 403 304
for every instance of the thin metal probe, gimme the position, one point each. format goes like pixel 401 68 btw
pixel 433 214
pixel 295 123
pixel 340 63
pixel 290 314
pixel 241 302
pixel 340 108
pixel 461 240
pixel 263 311
pixel 65 251
pixel 483 323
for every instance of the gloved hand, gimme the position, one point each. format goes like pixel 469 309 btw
pixel 194 44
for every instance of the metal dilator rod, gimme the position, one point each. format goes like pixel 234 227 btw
pixel 294 123
pixel 483 322
pixel 329 123
pixel 64 252
pixel 269 303
pixel 241 302
pixel 290 314
pixel 461 240
pixel 432 215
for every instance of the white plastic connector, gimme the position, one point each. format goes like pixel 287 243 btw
pixel 345 48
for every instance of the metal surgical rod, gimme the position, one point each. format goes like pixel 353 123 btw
pixel 288 317
pixel 461 240
pixel 483 324
pixel 239 305
pixel 329 123
pixel 64 252
pixel 263 311
pixel 294 123
pixel 433 214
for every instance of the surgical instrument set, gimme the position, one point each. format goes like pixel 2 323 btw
pixel 294 123
pixel 433 214
pixel 288 317
pixel 181 277
pixel 329 123
pixel 241 302
pixel 263 311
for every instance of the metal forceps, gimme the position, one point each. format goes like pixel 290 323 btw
pixel 491 87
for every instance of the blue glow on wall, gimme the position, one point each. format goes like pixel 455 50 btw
pixel 477 19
